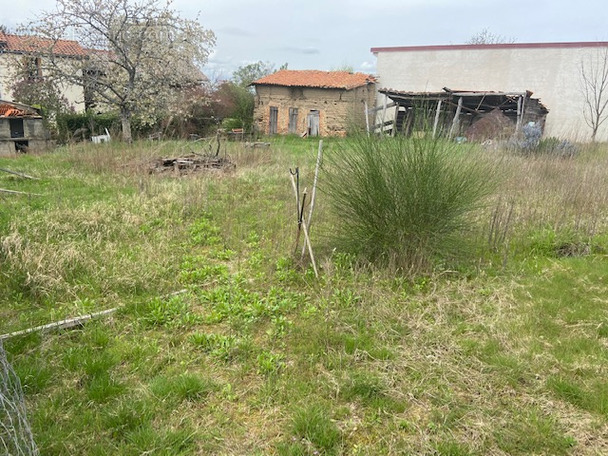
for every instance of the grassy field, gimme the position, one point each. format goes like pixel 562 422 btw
pixel 502 350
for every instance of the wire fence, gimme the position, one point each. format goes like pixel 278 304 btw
pixel 16 437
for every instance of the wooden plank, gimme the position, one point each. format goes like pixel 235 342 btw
pixel 63 324
pixel 394 131
pixel 384 107
pixel 379 128
pixel 521 109
pixel 380 108
pixel 18 174
pixel 71 322
pixel 15 192
pixel 383 124
pixel 495 94
pixel 437 113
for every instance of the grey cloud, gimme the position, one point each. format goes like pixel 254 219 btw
pixel 297 50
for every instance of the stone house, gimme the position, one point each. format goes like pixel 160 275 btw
pixel 22 56
pixel 21 129
pixel 311 102
pixel 549 71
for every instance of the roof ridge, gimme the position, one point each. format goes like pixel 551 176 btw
pixel 317 79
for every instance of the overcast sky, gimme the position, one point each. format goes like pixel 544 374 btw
pixel 331 34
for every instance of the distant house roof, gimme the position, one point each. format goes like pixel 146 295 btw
pixel 27 44
pixel 317 79
pixel 460 47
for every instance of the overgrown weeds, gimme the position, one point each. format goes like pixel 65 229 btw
pixel 256 356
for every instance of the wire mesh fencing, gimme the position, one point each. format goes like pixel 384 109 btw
pixel 16 437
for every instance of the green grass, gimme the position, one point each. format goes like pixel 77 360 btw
pixel 501 350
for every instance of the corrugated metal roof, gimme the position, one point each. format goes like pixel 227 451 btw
pixel 27 44
pixel 317 79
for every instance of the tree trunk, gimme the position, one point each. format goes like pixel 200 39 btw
pixel 125 118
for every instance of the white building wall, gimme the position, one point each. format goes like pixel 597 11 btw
pixel 73 93
pixel 551 71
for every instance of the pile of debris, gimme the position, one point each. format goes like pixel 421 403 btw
pixel 190 164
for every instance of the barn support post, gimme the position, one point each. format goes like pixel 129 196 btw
pixel 456 120
pixel 437 113
pixel 394 130
pixel 521 109
pixel 384 110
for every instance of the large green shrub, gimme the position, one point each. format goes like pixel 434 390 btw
pixel 95 124
pixel 402 200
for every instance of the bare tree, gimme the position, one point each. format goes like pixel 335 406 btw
pixel 594 81
pixel 140 52
pixel 487 37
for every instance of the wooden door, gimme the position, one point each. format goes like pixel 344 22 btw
pixel 273 121
pixel 313 123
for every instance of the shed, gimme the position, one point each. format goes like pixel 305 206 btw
pixel 21 129
pixel 312 102
pixel 477 115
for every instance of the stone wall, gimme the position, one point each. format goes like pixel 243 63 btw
pixel 36 136
pixel 340 110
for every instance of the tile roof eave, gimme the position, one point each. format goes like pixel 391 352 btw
pixel 310 86
pixel 23 52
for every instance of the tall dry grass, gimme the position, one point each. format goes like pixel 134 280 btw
pixel 549 199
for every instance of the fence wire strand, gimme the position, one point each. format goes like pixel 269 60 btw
pixel 16 437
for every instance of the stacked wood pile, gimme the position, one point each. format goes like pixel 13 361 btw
pixel 190 164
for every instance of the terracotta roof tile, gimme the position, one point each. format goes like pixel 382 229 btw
pixel 33 44
pixel 315 78
pixel 8 109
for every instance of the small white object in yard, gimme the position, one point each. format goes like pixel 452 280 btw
pixel 101 138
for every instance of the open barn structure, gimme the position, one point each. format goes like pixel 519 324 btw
pixel 553 71
pixel 476 115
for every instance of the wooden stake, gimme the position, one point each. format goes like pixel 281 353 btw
pixel 303 227
pixel 314 191
pixel 312 257
pixel 300 219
